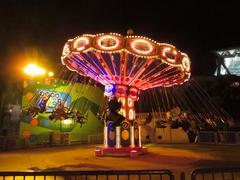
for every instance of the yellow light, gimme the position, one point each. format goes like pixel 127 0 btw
pixel 122 112
pixel 186 63
pixel 130 102
pixel 169 59
pixel 50 74
pixel 130 114
pixel 67 121
pixel 122 100
pixel 34 70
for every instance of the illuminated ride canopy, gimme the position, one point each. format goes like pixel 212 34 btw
pixel 126 64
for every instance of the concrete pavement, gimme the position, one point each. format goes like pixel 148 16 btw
pixel 175 157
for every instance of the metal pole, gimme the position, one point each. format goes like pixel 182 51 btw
pixel 105 136
pixel 118 140
pixel 139 136
pixel 132 136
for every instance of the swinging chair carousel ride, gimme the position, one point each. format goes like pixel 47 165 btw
pixel 125 65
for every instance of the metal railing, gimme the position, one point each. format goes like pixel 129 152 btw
pixel 229 137
pixel 95 139
pixel 210 137
pixel 219 137
pixel 47 139
pixel 227 173
pixel 89 175
pixel 8 142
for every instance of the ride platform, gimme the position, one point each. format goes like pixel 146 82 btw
pixel 120 152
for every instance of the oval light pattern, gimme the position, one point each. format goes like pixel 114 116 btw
pixel 130 102
pixel 141 46
pixel 66 50
pixel 121 90
pixel 81 43
pixel 169 54
pixel 186 63
pixel 131 114
pixel 134 93
pixel 108 42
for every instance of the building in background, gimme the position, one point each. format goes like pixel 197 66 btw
pixel 228 62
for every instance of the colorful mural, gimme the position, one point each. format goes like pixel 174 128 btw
pixel 83 98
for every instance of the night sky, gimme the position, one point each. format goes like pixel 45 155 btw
pixel 39 28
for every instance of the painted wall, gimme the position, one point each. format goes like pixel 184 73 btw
pixel 82 97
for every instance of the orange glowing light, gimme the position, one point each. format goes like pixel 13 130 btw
pixel 34 70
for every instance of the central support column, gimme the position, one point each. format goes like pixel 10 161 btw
pixel 129 128
pixel 123 139
pixel 127 95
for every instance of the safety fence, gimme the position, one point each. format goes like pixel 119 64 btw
pixel 8 142
pixel 227 173
pixel 219 137
pixel 89 175
pixel 49 139
pixel 66 138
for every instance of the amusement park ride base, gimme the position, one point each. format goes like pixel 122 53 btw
pixel 125 151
